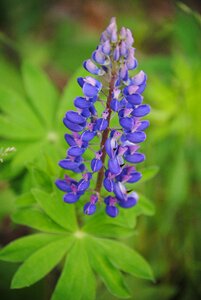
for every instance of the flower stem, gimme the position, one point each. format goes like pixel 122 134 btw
pixel 105 134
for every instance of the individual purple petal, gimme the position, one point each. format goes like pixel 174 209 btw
pixel 108 184
pixel 115 105
pixel 139 79
pixel 120 191
pixel 71 198
pixel 106 47
pixel 81 102
pixel 123 49
pixel 70 139
pixel 134 158
pixel 141 110
pixel 72 126
pixel 89 90
pixel 134 177
pixel 113 166
pixel 111 211
pixel 88 135
pixel 76 151
pixel 129 37
pixel 143 125
pixel 68 165
pixel 86 113
pixel 96 165
pixel 63 185
pixel 101 124
pixel 89 208
pixel 123 73
pixel 99 57
pixel 80 81
pixel 75 117
pixel 116 53
pixel 130 202
pixel 136 137
pixel 126 123
pixel 83 185
pixel 92 68
pixel 110 144
pixel 134 99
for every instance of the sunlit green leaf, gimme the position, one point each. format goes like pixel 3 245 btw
pixel 77 280
pixel 109 274
pixel 22 248
pixel 125 258
pixel 41 92
pixel 56 209
pixel 41 263
pixel 36 219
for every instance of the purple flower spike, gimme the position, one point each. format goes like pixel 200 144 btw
pixel 116 148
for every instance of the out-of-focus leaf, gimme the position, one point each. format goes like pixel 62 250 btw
pixel 26 199
pixel 144 206
pixel 77 280
pixel 148 174
pixel 26 154
pixel 19 110
pixel 41 263
pixel 36 219
pixel 55 208
pixel 7 202
pixel 177 190
pixel 110 275
pixel 22 248
pixel 41 179
pixel 10 78
pixel 42 93
pixel 15 131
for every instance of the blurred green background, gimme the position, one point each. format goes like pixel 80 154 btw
pixel 57 36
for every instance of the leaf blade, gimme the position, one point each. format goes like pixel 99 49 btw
pixel 131 262
pixel 22 248
pixel 81 285
pixel 36 219
pixel 47 258
pixel 111 276
pixel 41 91
pixel 56 209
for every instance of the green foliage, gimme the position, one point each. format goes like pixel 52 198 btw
pixel 28 121
pixel 86 244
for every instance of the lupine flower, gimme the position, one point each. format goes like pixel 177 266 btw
pixel 113 165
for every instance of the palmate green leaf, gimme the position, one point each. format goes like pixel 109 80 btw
pixel 24 200
pixel 22 248
pixel 36 219
pixel 109 274
pixel 56 209
pixel 77 280
pixel 41 263
pixel 41 92
pixel 124 258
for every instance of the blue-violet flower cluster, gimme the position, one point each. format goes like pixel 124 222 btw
pixel 113 164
